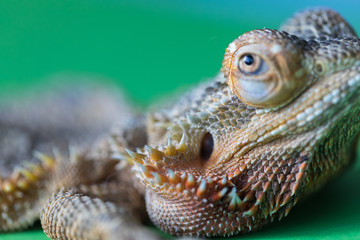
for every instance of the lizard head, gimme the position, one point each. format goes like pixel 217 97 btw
pixel 275 126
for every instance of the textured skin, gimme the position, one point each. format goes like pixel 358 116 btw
pixel 233 154
pixel 32 125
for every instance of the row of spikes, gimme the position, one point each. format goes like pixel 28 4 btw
pixel 149 155
pixel 249 222
pixel 215 190
pixel 148 170
pixel 23 178
pixel 176 133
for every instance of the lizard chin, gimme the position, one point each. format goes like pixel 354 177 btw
pixel 188 204
pixel 195 217
pixel 221 207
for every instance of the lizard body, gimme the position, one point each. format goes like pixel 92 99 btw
pixel 235 153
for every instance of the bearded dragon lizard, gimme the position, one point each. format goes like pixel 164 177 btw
pixel 279 121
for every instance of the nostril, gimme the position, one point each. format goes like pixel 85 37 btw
pixel 207 147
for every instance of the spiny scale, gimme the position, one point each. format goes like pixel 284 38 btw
pixel 205 188
pixel 214 165
pixel 22 192
pixel 262 160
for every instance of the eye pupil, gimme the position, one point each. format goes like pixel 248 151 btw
pixel 252 64
pixel 248 60
pixel 207 146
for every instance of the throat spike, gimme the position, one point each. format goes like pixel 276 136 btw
pixel 136 157
pixel 155 154
pixel 170 149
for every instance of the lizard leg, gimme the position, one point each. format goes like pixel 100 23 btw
pixel 37 123
pixel 103 207
pixel 72 215
pixel 97 197
pixel 87 212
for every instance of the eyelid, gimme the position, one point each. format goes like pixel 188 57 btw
pixel 277 80
pixel 261 68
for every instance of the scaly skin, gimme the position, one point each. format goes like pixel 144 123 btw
pixel 49 124
pixel 237 152
pixel 280 130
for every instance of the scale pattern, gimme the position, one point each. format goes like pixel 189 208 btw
pixel 219 161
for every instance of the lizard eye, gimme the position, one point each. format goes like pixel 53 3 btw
pixel 252 85
pixel 264 69
pixel 251 64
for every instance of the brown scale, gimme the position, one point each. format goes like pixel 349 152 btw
pixel 289 179
pixel 22 192
pixel 234 153
pixel 44 123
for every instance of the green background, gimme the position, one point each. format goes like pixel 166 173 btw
pixel 151 49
